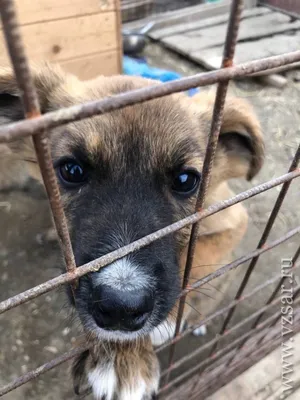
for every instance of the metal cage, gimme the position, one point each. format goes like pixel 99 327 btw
pixel 221 364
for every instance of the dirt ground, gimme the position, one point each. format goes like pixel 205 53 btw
pixel 36 332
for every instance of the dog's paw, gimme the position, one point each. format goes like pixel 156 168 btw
pixel 201 331
pixel 124 371
pixel 106 383
pixel 48 236
pixel 165 332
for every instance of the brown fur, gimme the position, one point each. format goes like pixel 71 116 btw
pixel 239 155
pixel 130 360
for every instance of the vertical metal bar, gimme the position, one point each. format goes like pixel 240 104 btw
pixel 262 242
pixel 229 49
pixel 216 381
pixel 269 301
pixel 274 294
pixel 278 287
pixel 31 109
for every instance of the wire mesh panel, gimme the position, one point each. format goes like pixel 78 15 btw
pixel 219 362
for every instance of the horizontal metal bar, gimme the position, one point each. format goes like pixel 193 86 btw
pixel 223 310
pixel 226 333
pixel 52 119
pixel 213 375
pixel 78 350
pixel 216 380
pixel 194 369
pixel 269 225
pixel 32 109
pixel 65 357
pixel 41 124
pixel 21 380
pixel 115 255
pixel 278 287
pixel 271 328
pixel 245 258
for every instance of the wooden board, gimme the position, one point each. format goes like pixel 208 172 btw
pixel 188 14
pixel 262 33
pixel 251 29
pixel 249 51
pixel 89 67
pixel 61 40
pixel 204 23
pixel 30 11
pixel 84 36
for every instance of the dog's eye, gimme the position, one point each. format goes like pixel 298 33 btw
pixel 71 172
pixel 186 182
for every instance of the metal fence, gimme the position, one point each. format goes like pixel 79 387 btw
pixel 221 365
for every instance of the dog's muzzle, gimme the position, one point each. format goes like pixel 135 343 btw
pixel 121 310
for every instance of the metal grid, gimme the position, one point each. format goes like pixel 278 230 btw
pixel 221 365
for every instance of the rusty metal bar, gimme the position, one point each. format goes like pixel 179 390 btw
pixel 197 367
pixel 226 333
pixel 38 126
pixel 219 380
pixel 281 282
pixel 261 313
pixel 275 330
pixel 214 377
pixel 264 237
pixel 21 380
pixel 74 352
pixel 229 49
pixel 247 257
pixel 119 253
pixel 49 120
pixel 32 110
pixel 258 342
pixel 222 311
pixel 295 295
pixel 273 295
pixel 67 356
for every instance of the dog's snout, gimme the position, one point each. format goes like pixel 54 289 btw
pixel 121 310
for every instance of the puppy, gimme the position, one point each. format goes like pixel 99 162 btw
pixel 124 175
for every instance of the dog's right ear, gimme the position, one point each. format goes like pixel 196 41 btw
pixel 47 79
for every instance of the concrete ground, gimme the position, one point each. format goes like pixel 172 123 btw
pixel 263 381
pixel 36 332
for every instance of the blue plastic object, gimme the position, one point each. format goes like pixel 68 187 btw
pixel 139 67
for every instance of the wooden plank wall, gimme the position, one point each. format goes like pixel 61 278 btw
pixel 83 36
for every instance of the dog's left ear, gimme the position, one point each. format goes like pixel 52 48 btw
pixel 49 81
pixel 240 151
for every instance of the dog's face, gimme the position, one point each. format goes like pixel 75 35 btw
pixel 125 175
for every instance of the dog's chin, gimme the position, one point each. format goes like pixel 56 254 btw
pixel 94 332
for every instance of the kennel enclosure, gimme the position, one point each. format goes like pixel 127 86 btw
pixel 221 364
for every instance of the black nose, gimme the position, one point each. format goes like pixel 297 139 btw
pixel 115 309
